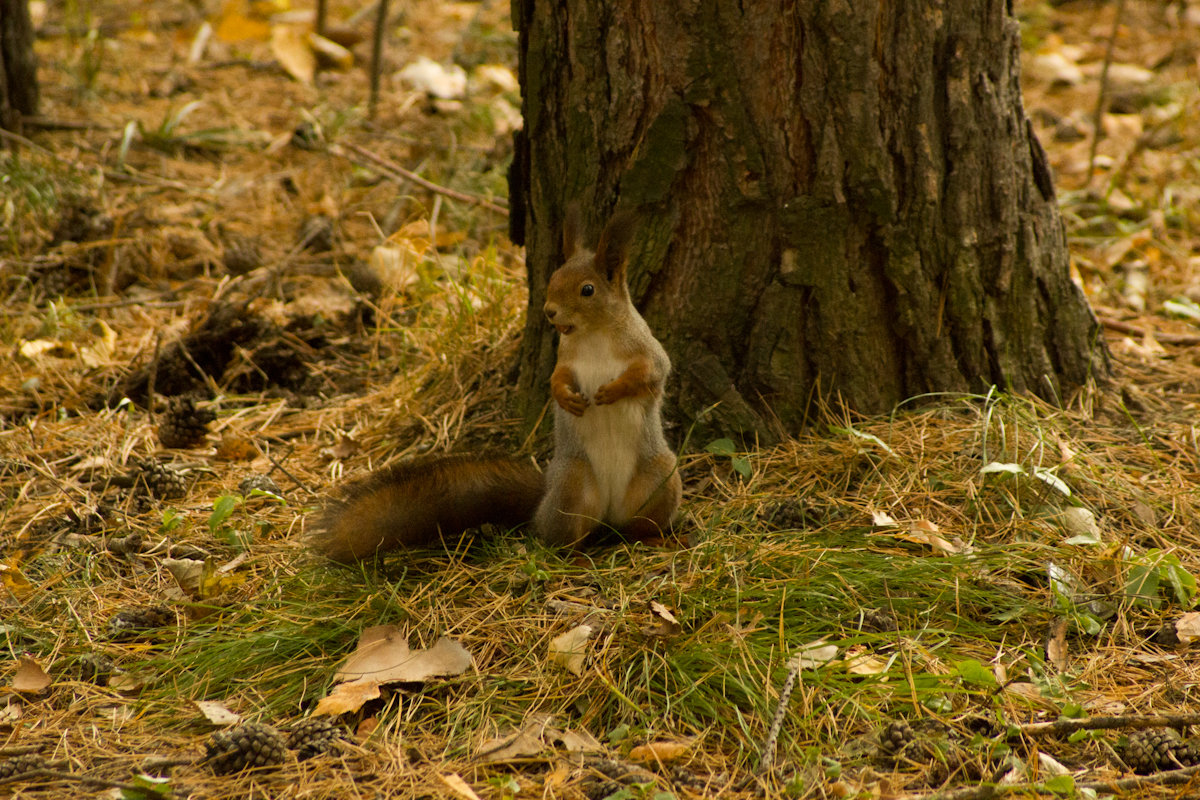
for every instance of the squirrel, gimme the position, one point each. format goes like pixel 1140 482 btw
pixel 612 467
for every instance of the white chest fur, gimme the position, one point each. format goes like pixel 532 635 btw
pixel 611 433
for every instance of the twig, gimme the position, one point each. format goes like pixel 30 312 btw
pixel 399 173
pixel 785 695
pixel 86 780
pixel 1131 721
pixel 990 790
pixel 1102 97
pixel 1165 338
pixel 377 56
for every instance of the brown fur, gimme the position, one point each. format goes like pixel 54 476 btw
pixel 422 502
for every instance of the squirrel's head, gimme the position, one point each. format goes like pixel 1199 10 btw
pixel 588 290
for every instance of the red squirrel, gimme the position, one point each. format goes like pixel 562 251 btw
pixel 612 467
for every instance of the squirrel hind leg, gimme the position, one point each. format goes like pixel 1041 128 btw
pixel 653 499
pixel 572 507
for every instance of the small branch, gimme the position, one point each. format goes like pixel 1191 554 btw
pixel 399 173
pixel 785 696
pixel 1165 338
pixel 1102 96
pixel 1131 721
pixel 377 56
pixel 988 790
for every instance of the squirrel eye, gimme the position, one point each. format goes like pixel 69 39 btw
pixel 587 290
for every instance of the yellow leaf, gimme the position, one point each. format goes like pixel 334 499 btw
pixel 15 582
pixel 234 26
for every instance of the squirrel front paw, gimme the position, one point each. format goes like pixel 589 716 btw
pixel 609 393
pixel 571 401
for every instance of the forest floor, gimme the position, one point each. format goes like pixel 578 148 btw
pixel 943 598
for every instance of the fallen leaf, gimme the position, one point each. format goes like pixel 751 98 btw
pixel 1080 525
pixel 30 677
pixel 347 697
pixel 659 752
pixel 882 519
pixel 430 77
pixel 1187 627
pixel 1050 767
pixel 925 532
pixel 815 654
pixel 860 661
pixel 569 649
pixel 330 54
pixel 665 624
pixel 383 656
pixel 290 46
pixel 460 787
pixel 187 572
pixel 234 26
pixel 15 582
pixel 217 714
pixel 578 741
pixel 521 743
pixel 10 712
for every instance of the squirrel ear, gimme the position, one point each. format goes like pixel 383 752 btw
pixel 613 249
pixel 572 230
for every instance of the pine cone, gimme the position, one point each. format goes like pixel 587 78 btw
pixel 261 482
pixel 314 736
pixel 160 480
pixel 792 514
pixel 317 234
pixel 1158 749
pixel 243 746
pixel 19 765
pixel 96 668
pixel 184 425
pixel 896 737
pixel 129 623
pixel 242 253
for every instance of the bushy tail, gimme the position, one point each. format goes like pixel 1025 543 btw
pixel 424 501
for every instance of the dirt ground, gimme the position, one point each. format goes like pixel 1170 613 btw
pixel 230 285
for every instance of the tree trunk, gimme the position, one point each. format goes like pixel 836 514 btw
pixel 18 65
pixel 837 200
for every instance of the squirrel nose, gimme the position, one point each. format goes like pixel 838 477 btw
pixel 550 312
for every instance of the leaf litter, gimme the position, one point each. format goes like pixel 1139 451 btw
pixel 396 340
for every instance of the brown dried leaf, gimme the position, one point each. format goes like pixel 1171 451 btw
pixel 30 677
pixel 383 656
pixel 665 624
pixel 659 752
pixel 347 697
pixel 521 743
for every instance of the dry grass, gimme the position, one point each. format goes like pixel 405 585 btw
pixel 790 554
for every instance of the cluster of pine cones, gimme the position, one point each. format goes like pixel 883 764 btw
pixel 254 744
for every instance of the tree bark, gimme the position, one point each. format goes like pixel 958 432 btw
pixel 18 64
pixel 837 200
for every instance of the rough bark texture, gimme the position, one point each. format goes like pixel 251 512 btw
pixel 839 200
pixel 18 65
